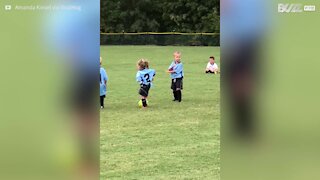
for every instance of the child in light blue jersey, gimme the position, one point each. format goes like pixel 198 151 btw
pixel 103 84
pixel 176 73
pixel 144 77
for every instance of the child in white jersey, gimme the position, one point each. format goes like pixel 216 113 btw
pixel 212 67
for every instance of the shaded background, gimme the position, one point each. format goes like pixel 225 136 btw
pixel 270 90
pixel 47 56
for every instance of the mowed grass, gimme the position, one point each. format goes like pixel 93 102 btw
pixel 169 140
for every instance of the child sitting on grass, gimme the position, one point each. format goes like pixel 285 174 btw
pixel 212 67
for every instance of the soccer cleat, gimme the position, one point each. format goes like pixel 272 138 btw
pixel 102 107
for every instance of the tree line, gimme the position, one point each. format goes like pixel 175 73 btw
pixel 160 16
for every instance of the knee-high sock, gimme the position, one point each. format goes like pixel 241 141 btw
pixel 179 95
pixel 175 95
pixel 102 101
pixel 144 102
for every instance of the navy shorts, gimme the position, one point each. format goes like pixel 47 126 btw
pixel 177 84
pixel 144 90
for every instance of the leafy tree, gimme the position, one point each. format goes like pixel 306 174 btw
pixel 160 15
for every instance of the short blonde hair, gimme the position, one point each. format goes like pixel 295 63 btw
pixel 177 53
pixel 143 63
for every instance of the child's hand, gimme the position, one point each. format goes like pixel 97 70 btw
pixel 171 70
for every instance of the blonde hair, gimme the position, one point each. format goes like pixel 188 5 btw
pixel 177 53
pixel 143 63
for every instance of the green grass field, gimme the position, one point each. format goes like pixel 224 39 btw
pixel 169 140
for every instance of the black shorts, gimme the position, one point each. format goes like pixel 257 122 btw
pixel 144 90
pixel 177 84
pixel 212 72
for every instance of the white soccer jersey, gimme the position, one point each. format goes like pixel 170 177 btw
pixel 212 67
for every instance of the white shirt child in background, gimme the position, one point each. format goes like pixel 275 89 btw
pixel 212 67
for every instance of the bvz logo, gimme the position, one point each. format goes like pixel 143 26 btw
pixel 289 8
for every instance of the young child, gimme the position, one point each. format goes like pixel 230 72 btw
pixel 103 84
pixel 176 71
pixel 212 67
pixel 144 77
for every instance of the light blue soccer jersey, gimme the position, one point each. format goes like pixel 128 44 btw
pixel 145 76
pixel 177 70
pixel 103 78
